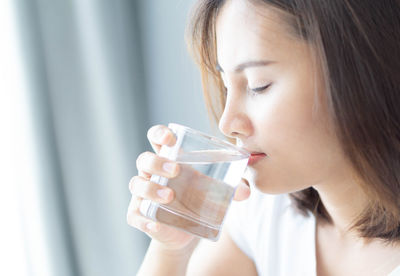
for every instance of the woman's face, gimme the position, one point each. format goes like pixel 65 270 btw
pixel 283 120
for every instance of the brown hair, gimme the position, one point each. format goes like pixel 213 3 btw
pixel 357 44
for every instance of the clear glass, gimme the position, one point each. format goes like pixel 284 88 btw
pixel 211 170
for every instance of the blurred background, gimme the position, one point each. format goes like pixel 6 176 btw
pixel 81 82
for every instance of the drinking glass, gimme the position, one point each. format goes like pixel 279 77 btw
pixel 210 171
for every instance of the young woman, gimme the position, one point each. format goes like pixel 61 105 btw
pixel 315 85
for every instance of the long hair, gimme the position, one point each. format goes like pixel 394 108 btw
pixel 357 46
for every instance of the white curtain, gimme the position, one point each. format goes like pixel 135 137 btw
pixel 77 96
pixel 80 83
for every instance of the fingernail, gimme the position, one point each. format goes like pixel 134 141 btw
pixel 169 167
pixel 152 226
pixel 163 193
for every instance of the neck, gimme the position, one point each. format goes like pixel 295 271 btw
pixel 344 200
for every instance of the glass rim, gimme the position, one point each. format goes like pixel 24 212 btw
pixel 213 139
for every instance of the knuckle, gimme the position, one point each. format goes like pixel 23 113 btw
pixel 136 205
pixel 132 183
pixel 152 130
pixel 149 132
pixel 132 218
pixel 142 158
pixel 133 180
pixel 128 217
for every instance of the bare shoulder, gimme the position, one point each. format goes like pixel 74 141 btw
pixel 220 258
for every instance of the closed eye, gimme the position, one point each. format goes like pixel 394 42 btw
pixel 252 90
pixel 259 89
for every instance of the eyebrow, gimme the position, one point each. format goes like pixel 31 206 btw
pixel 247 64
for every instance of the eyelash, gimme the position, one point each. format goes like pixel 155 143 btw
pixel 258 90
pixel 255 91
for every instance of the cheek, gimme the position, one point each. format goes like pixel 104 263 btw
pixel 284 117
pixel 296 140
pixel 291 114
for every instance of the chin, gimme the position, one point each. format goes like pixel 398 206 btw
pixel 261 185
pixel 271 190
pixel 268 187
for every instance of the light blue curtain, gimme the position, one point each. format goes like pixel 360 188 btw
pixel 100 73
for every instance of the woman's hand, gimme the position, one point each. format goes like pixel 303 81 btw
pixel 141 187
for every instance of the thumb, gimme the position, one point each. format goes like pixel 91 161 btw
pixel 243 190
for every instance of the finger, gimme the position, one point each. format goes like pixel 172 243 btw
pixel 243 190
pixel 134 204
pixel 141 187
pixel 135 219
pixel 153 229
pixel 151 163
pixel 159 135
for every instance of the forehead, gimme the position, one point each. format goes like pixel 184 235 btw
pixel 246 30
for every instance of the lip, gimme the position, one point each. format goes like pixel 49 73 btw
pixel 255 157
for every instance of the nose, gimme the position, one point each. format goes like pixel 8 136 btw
pixel 235 122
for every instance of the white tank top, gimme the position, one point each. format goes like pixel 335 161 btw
pixel 271 232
